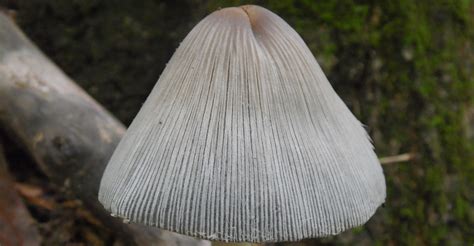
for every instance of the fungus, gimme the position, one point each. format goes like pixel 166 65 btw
pixel 243 139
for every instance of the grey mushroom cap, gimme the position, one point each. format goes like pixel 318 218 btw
pixel 243 139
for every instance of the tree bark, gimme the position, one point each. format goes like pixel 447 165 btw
pixel 67 133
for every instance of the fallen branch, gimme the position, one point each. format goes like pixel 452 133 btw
pixel 68 134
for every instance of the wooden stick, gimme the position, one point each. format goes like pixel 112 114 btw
pixel 396 158
pixel 67 133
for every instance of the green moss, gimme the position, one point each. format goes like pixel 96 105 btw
pixel 401 67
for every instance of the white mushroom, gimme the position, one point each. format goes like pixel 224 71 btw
pixel 243 139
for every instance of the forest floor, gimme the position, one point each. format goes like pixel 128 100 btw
pixel 52 216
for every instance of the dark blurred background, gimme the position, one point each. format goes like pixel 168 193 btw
pixel 405 68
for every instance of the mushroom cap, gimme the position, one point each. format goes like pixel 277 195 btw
pixel 243 139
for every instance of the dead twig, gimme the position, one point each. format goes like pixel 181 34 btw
pixel 397 158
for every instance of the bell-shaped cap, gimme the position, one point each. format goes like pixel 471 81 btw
pixel 244 139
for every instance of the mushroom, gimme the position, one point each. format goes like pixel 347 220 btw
pixel 243 139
